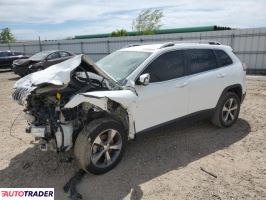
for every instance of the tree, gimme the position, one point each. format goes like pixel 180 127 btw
pixel 148 21
pixel 119 32
pixel 6 36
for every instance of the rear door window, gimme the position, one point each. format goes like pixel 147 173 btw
pixel 52 56
pixel 201 60
pixel 4 54
pixel 223 58
pixel 167 66
pixel 17 53
pixel 63 54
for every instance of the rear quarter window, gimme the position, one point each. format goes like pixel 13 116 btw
pixel 223 58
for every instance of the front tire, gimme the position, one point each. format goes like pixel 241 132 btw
pixel 100 145
pixel 227 110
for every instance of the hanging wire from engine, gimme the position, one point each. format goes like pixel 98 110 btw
pixel 12 124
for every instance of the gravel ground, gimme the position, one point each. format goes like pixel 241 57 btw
pixel 165 164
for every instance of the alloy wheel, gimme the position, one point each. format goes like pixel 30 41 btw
pixel 106 148
pixel 230 110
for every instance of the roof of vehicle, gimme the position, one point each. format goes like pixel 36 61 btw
pixel 50 51
pixel 10 51
pixel 6 51
pixel 175 45
pixel 53 50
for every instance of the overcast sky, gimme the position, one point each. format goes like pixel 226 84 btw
pixel 56 19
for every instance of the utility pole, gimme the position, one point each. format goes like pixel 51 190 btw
pixel 40 44
pixel 1 41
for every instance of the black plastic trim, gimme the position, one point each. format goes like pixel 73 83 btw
pixel 227 89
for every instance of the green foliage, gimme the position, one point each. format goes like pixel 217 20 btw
pixel 6 36
pixel 148 21
pixel 119 32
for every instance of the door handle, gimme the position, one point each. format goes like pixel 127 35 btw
pixel 181 85
pixel 221 75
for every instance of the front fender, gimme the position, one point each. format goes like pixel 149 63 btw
pixel 126 98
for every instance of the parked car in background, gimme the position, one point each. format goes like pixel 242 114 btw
pixel 7 58
pixel 39 61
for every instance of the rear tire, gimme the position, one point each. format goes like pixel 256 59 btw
pixel 100 145
pixel 227 110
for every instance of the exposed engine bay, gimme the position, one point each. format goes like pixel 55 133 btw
pixel 45 94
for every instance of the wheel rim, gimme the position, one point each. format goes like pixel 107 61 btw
pixel 229 111
pixel 106 148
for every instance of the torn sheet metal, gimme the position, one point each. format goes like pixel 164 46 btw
pixel 58 74
pixel 126 98
pixel 99 98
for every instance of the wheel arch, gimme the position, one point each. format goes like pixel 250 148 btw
pixel 236 88
pixel 118 112
pixel 115 110
pixel 107 101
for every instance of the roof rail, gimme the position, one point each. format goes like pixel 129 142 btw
pixel 168 44
pixel 200 42
pixel 173 43
pixel 132 45
pixel 214 43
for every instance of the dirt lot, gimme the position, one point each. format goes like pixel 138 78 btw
pixel 162 165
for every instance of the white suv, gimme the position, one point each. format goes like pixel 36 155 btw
pixel 97 107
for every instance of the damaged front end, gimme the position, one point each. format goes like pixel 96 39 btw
pixel 45 95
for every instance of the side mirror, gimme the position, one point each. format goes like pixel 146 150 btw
pixel 144 79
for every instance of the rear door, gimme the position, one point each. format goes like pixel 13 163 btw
pixel 52 59
pixel 64 55
pixel 206 81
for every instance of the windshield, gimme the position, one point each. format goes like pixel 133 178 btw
pixel 122 63
pixel 40 55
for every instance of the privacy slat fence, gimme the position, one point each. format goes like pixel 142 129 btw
pixel 248 44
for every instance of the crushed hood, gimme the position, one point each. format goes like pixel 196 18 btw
pixel 21 61
pixel 59 74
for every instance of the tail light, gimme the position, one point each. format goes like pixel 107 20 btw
pixel 244 67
